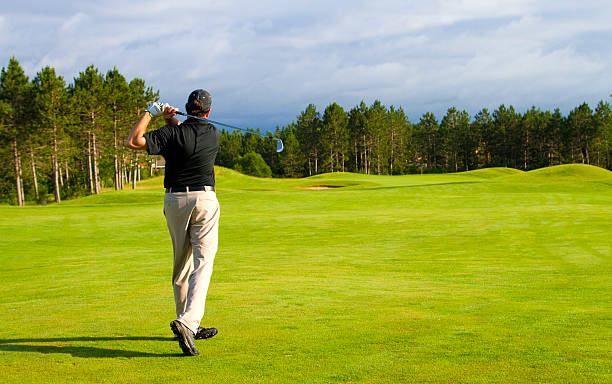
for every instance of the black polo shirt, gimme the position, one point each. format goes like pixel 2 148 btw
pixel 189 149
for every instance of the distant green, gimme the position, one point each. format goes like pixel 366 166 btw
pixel 491 276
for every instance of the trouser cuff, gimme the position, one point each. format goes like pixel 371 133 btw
pixel 189 324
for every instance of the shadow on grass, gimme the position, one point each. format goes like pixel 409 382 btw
pixel 11 345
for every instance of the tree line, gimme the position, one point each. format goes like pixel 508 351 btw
pixel 66 140
pixel 381 140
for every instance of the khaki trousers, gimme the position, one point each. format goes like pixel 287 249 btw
pixel 193 222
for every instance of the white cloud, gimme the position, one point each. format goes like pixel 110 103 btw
pixel 3 30
pixel 73 22
pixel 265 61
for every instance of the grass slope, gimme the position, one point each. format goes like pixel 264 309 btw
pixel 490 173
pixel 567 173
pixel 462 278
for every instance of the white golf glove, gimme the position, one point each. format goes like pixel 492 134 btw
pixel 155 109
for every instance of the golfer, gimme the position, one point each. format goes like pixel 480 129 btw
pixel 190 206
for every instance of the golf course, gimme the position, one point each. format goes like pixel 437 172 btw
pixel 489 276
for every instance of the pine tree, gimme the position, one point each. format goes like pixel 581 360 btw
pixel 6 175
pixel 397 131
pixel 230 147
pixel 483 127
pixel 582 131
pixel 428 133
pixel 357 127
pixel 335 134
pixel 50 105
pixel 377 121
pixel 13 92
pixel 308 133
pixel 554 137
pixel 118 95
pixel 449 126
pixel 140 97
pixel 603 124
pixel 90 100
pixel 291 162
pixel 251 142
pixel 468 142
pixel 506 137
pixel 536 139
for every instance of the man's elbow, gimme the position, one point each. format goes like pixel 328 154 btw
pixel 133 143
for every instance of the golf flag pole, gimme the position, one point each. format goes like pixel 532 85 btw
pixel 279 142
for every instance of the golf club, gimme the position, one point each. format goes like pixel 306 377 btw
pixel 279 144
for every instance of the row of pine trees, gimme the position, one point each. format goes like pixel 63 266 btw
pixel 63 140
pixel 66 140
pixel 379 140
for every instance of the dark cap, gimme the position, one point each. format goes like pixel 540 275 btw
pixel 202 96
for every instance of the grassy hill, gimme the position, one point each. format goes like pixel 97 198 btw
pixel 491 173
pixel 493 275
pixel 567 173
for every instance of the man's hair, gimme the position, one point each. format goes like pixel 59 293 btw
pixel 198 103
pixel 194 107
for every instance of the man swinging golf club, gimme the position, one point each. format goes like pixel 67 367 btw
pixel 190 206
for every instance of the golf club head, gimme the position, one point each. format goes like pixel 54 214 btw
pixel 279 146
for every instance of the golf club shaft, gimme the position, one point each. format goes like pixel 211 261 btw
pixel 226 125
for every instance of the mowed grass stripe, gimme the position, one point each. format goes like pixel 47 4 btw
pixel 470 277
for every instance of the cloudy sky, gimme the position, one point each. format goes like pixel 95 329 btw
pixel 265 61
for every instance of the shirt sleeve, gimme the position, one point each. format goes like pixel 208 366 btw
pixel 158 140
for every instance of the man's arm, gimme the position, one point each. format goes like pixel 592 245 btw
pixel 136 140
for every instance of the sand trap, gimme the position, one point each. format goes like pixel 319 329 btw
pixel 321 187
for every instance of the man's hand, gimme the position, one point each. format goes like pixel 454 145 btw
pixel 155 109
pixel 169 112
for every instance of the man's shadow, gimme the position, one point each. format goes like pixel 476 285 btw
pixel 13 345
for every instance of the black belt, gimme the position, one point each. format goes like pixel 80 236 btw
pixel 190 189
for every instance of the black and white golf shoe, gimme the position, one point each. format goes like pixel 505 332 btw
pixel 185 338
pixel 203 333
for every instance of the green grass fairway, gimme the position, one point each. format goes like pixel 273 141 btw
pixel 491 276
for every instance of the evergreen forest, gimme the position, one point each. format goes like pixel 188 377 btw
pixel 63 140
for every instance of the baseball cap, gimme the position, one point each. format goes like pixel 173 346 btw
pixel 202 96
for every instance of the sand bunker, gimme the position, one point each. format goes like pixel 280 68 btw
pixel 321 187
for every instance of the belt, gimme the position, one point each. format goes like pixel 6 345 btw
pixel 190 189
